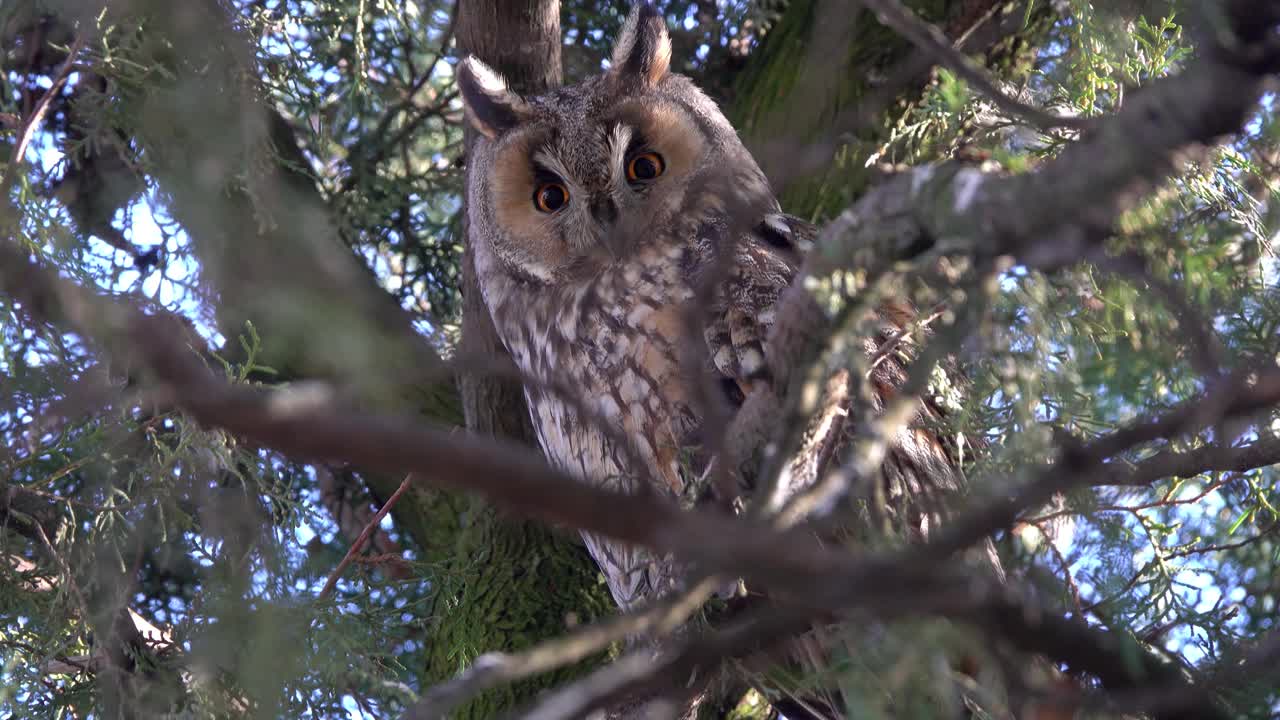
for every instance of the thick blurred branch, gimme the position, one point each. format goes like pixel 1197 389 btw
pixel 1046 220
pixel 318 427
pixel 268 242
pixel 307 423
pixel 1189 463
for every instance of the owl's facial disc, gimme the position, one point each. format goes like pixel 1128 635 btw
pixel 578 188
pixel 580 177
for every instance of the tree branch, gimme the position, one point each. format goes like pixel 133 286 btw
pixel 930 40
pixel 1210 458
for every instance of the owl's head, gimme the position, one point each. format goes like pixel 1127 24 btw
pixel 574 179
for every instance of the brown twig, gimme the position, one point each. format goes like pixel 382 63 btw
pixel 36 118
pixel 1062 563
pixel 1189 463
pixel 930 40
pixel 1165 501
pixel 365 534
pixel 1270 531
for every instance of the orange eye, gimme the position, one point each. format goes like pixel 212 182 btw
pixel 550 197
pixel 645 166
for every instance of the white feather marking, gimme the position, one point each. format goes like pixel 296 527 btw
pixel 967 183
pixel 488 80
pixel 568 328
pixel 638 315
pixel 751 360
pixel 920 177
pixel 619 140
pixel 629 388
pixel 552 162
pixel 638 414
pixel 778 224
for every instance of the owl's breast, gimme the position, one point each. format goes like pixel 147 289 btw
pixel 614 343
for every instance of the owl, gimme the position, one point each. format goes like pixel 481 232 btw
pixel 631 251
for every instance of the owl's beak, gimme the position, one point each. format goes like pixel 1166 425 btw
pixel 605 212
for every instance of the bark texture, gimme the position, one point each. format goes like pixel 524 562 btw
pixel 510 582
pixel 520 39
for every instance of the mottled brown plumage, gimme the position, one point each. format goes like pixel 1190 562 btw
pixel 598 212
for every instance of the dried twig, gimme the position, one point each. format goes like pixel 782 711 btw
pixel 930 40
pixel 359 544
pixel 492 669
pixel 32 123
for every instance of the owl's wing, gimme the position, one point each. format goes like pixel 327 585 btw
pixel 920 471
pixel 921 467
pixel 764 262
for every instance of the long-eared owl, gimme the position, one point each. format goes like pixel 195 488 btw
pixel 597 213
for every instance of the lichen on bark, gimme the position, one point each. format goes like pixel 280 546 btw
pixel 786 91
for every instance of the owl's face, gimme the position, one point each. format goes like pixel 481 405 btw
pixel 573 180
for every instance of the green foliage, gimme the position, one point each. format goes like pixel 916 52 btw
pixel 182 521
pixel 1098 345
pixel 908 129
pixel 225 546
pixel 511 609
pixel 381 143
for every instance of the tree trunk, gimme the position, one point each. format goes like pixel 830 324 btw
pixel 531 65
pixel 510 582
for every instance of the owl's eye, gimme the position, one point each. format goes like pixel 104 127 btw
pixel 645 166
pixel 550 197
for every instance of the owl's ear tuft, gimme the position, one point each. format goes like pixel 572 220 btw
pixel 491 107
pixel 642 53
